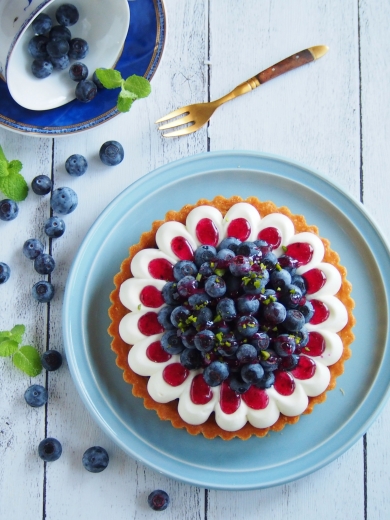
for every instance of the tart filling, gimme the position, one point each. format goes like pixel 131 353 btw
pixel 234 314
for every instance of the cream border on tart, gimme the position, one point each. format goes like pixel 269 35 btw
pixel 158 379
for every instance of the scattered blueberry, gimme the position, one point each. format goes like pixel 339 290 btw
pixel 36 395
pixel 95 459
pixel 76 165
pixel 43 291
pixel 86 90
pixel 44 263
pixel 61 63
pixel 51 360
pixel 78 71
pixel 158 500
pixel 78 49
pixel 41 185
pixel 37 46
pixel 41 24
pixel 50 449
pixel 41 68
pixel 32 248
pixel 60 32
pixel 5 272
pixel 9 209
pixel 64 200
pixel 111 153
pixel 57 48
pixel 67 15
pixel 54 227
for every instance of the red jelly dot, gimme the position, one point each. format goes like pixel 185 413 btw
pixel 315 279
pixel 239 228
pixel 200 392
pixel 207 232
pixel 156 353
pixel 175 374
pixel 271 235
pixel 301 251
pixel 316 344
pixel 321 312
pixel 148 324
pixel 305 369
pixel 256 398
pixel 151 297
pixel 161 269
pixel 182 249
pixel 284 383
pixel 229 400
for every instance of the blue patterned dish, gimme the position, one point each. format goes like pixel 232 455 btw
pixel 141 55
pixel 318 438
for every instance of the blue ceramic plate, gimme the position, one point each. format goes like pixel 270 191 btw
pixel 141 55
pixel 299 449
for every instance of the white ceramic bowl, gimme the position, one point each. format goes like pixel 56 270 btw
pixel 104 25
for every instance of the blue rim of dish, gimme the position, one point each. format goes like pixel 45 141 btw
pixel 141 55
pixel 300 449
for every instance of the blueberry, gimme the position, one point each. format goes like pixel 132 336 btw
pixel 248 249
pixel 78 49
pixel 280 278
pixel 205 270
pixel 95 459
pixel 204 254
pixel 187 286
pixel 204 318
pixel 158 500
pixel 5 272
pixel 44 263
pixel 170 294
pixel 51 360
pixel 215 373
pixel 299 282
pixel 226 309
pixel 188 337
pixel 247 326
pixel 179 315
pixel 270 261
pixel 85 91
pixel 164 317
pixel 224 256
pixel 260 341
pixel 205 340
pixel 37 47
pixel 111 153
pixel 231 243
pixel 63 201
pixel 289 362
pixel 252 373
pixel 294 321
pixel 57 48
pixel 41 185
pixel 255 283
pixel 43 291
pixel 60 32
pixel 184 268
pixel 76 165
pixel 36 395
pixel 41 68
pixel 78 71
pixel 32 248
pixel 60 63
pixel 239 266
pixel 291 296
pixel 198 300
pixel 9 209
pixel 54 227
pixel 237 384
pixel 246 353
pixel 307 310
pixel 266 381
pixel 274 313
pixel 67 15
pixel 270 361
pixel 191 358
pixel 171 342
pixel 284 345
pixel 50 449
pixel 97 81
pixel 247 304
pixel 41 24
pixel 289 263
pixel 215 286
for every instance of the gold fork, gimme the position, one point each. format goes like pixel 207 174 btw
pixel 199 113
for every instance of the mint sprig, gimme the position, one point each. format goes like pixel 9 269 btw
pixel 12 182
pixel 25 357
pixel 133 88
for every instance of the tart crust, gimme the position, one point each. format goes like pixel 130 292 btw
pixel 168 411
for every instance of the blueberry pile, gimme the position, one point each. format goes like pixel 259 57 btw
pixel 52 48
pixel 238 312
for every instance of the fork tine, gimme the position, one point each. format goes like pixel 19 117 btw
pixel 177 122
pixel 185 131
pixel 175 113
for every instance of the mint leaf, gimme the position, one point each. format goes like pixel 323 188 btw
pixel 138 85
pixel 28 360
pixel 109 78
pixel 8 347
pixel 5 334
pixel 14 167
pixel 14 186
pixel 3 164
pixel 17 333
pixel 125 100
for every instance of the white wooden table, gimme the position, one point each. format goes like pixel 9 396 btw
pixel 332 115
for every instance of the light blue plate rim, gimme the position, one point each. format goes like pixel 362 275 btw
pixel 316 439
